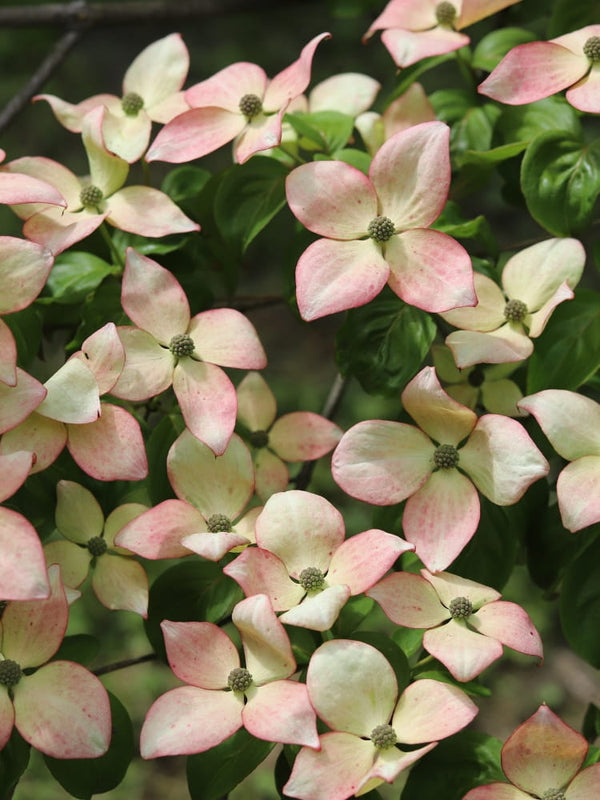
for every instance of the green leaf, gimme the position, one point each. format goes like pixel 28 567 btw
pixel 443 675
pixel 580 601
pixel 408 75
pixel 451 222
pixel 157 448
pixel 356 158
pixel 567 353
pixel 591 723
pixel 185 182
pixel 14 758
pixel 410 640
pixel 560 179
pixel 248 197
pixel 190 590
pixel 524 123
pixel 74 276
pixel 213 774
pixel 98 309
pixel 474 130
pixel 466 760
pixel 384 343
pixel 493 47
pixel 84 777
pixel 81 647
pixel 352 614
pixel 392 651
pixel 26 327
pixel 149 247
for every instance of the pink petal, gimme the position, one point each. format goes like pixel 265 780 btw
pixel 14 469
pixel 267 648
pixel 406 14
pixel 586 784
pixel 16 188
pixel 497 791
pixel 104 354
pixel 74 561
pixel 190 720
pixel 411 175
pixel 148 368
pixel 303 436
pixel 301 528
pixel 333 276
pixel 448 586
pixel 23 573
pixel 272 475
pixel 147 212
pixel 408 47
pixel 121 583
pixel 8 355
pixel 153 298
pixel 350 93
pixel 333 773
pixel 78 514
pixel 45 438
pixel 24 268
pixel 7 717
pixel 260 572
pixel 222 485
pixel 430 710
pixel 390 763
pixel 510 624
pixel 159 70
pixel 226 88
pixel 430 270
pixel 213 546
pixel 281 712
pixel 584 94
pixel 474 10
pixel 441 518
pixel 110 449
pixel 465 653
pixel 257 405
pixel 49 171
pixel 409 600
pixel 537 321
pixel 200 653
pixel 332 199
pixel 488 314
pixel 63 711
pixel 441 417
pixel 18 401
pixel 158 532
pixel 532 71
pixel 505 345
pixel 364 558
pixel 382 462
pixel 107 171
pixel 57 229
pixel 71 115
pixel 125 136
pixel 195 134
pixel 116 521
pixel 578 488
pixel 342 669
pixel 72 394
pixel 542 752
pixel 261 133
pixel 226 337
pixel 559 414
pixel 208 402
pixel 318 611
pixel 501 459
pixel 293 80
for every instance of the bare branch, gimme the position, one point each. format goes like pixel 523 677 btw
pixel 129 662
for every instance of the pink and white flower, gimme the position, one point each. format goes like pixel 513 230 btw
pixel 571 422
pixel 466 624
pixel 377 228
pixel 221 695
pixel 437 468
pixel 535 70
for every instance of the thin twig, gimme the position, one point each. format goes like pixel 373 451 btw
pixel 129 662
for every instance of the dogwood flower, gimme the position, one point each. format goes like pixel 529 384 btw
pixel 298 436
pixel 411 108
pixel 151 93
pixel 61 709
pixel 240 103
pixel 535 70
pixel 500 327
pixel 303 563
pixel 438 468
pixel 416 29
pixel 377 228
pixel 170 347
pixel 353 689
pixel 209 517
pixel 118 581
pixel 571 422
pixel 222 696
pixel 102 196
pixel 542 759
pixel 466 622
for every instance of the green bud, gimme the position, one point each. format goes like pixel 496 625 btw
pixel 384 737
pixel 515 311
pixel 445 14
pixel 592 49
pixel 97 545
pixel 460 608
pixel 445 456
pixel 132 103
pixel 311 579
pixel 239 679
pixel 91 197
pixel 10 673
pixel 250 106
pixel 218 523
pixel 181 345
pixel 381 229
pixel 554 794
pixel 259 439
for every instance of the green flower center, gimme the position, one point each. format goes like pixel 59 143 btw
pixel 181 345
pixel 97 545
pixel 132 103
pixel 445 13
pixel 383 737
pixel 553 794
pixel 381 229
pixel 445 456
pixel 218 523
pixel 10 673
pixel 592 49
pixel 91 197
pixel 239 679
pixel 460 608
pixel 515 311
pixel 312 579
pixel 476 377
pixel 259 439
pixel 250 106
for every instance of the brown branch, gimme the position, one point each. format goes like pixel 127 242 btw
pixel 129 662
